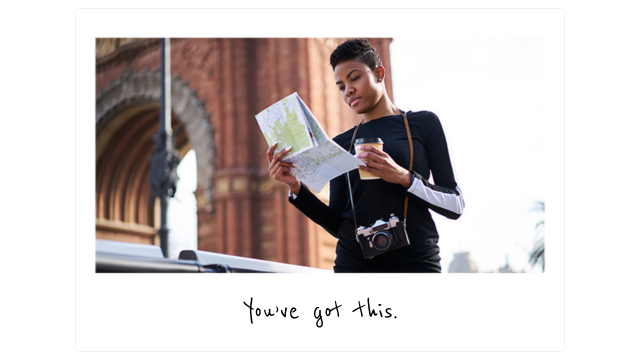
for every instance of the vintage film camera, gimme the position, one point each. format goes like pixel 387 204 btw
pixel 382 237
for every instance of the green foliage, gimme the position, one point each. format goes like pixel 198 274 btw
pixel 537 254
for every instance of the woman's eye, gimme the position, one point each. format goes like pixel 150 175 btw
pixel 355 78
pixel 341 88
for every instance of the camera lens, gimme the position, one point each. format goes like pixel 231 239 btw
pixel 381 241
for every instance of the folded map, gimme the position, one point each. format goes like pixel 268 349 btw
pixel 317 157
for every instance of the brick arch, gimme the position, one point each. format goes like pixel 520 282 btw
pixel 137 91
pixel 127 117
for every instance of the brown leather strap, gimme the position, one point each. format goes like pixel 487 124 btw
pixel 406 197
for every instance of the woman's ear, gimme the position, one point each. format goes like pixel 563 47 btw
pixel 379 73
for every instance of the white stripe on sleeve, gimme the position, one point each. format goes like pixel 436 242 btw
pixel 441 197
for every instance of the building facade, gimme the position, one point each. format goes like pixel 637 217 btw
pixel 218 86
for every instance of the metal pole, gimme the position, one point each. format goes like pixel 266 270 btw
pixel 165 130
pixel 164 161
pixel 165 96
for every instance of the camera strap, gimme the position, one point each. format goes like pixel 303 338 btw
pixel 406 197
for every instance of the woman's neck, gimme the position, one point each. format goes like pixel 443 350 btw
pixel 384 108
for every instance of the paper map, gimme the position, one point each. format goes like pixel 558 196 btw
pixel 317 158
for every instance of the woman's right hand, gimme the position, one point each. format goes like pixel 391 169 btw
pixel 281 170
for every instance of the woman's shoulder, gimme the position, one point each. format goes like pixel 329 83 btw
pixel 426 120
pixel 423 115
pixel 344 139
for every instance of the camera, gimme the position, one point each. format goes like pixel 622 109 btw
pixel 382 236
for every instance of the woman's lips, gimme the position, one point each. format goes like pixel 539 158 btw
pixel 354 102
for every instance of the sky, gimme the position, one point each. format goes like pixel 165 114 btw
pixel 494 77
pixel 488 96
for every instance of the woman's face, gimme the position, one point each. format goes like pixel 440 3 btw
pixel 358 85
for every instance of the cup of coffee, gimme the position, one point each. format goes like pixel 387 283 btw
pixel 376 142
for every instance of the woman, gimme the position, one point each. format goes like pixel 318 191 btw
pixel 359 75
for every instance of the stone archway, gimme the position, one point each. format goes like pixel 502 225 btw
pixel 127 113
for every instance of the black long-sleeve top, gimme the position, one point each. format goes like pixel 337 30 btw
pixel 377 199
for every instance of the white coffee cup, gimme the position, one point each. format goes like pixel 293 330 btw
pixel 375 142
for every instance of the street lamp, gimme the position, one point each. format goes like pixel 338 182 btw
pixel 164 160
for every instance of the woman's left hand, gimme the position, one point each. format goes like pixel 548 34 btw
pixel 380 164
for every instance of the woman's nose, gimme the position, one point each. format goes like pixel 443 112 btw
pixel 350 90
